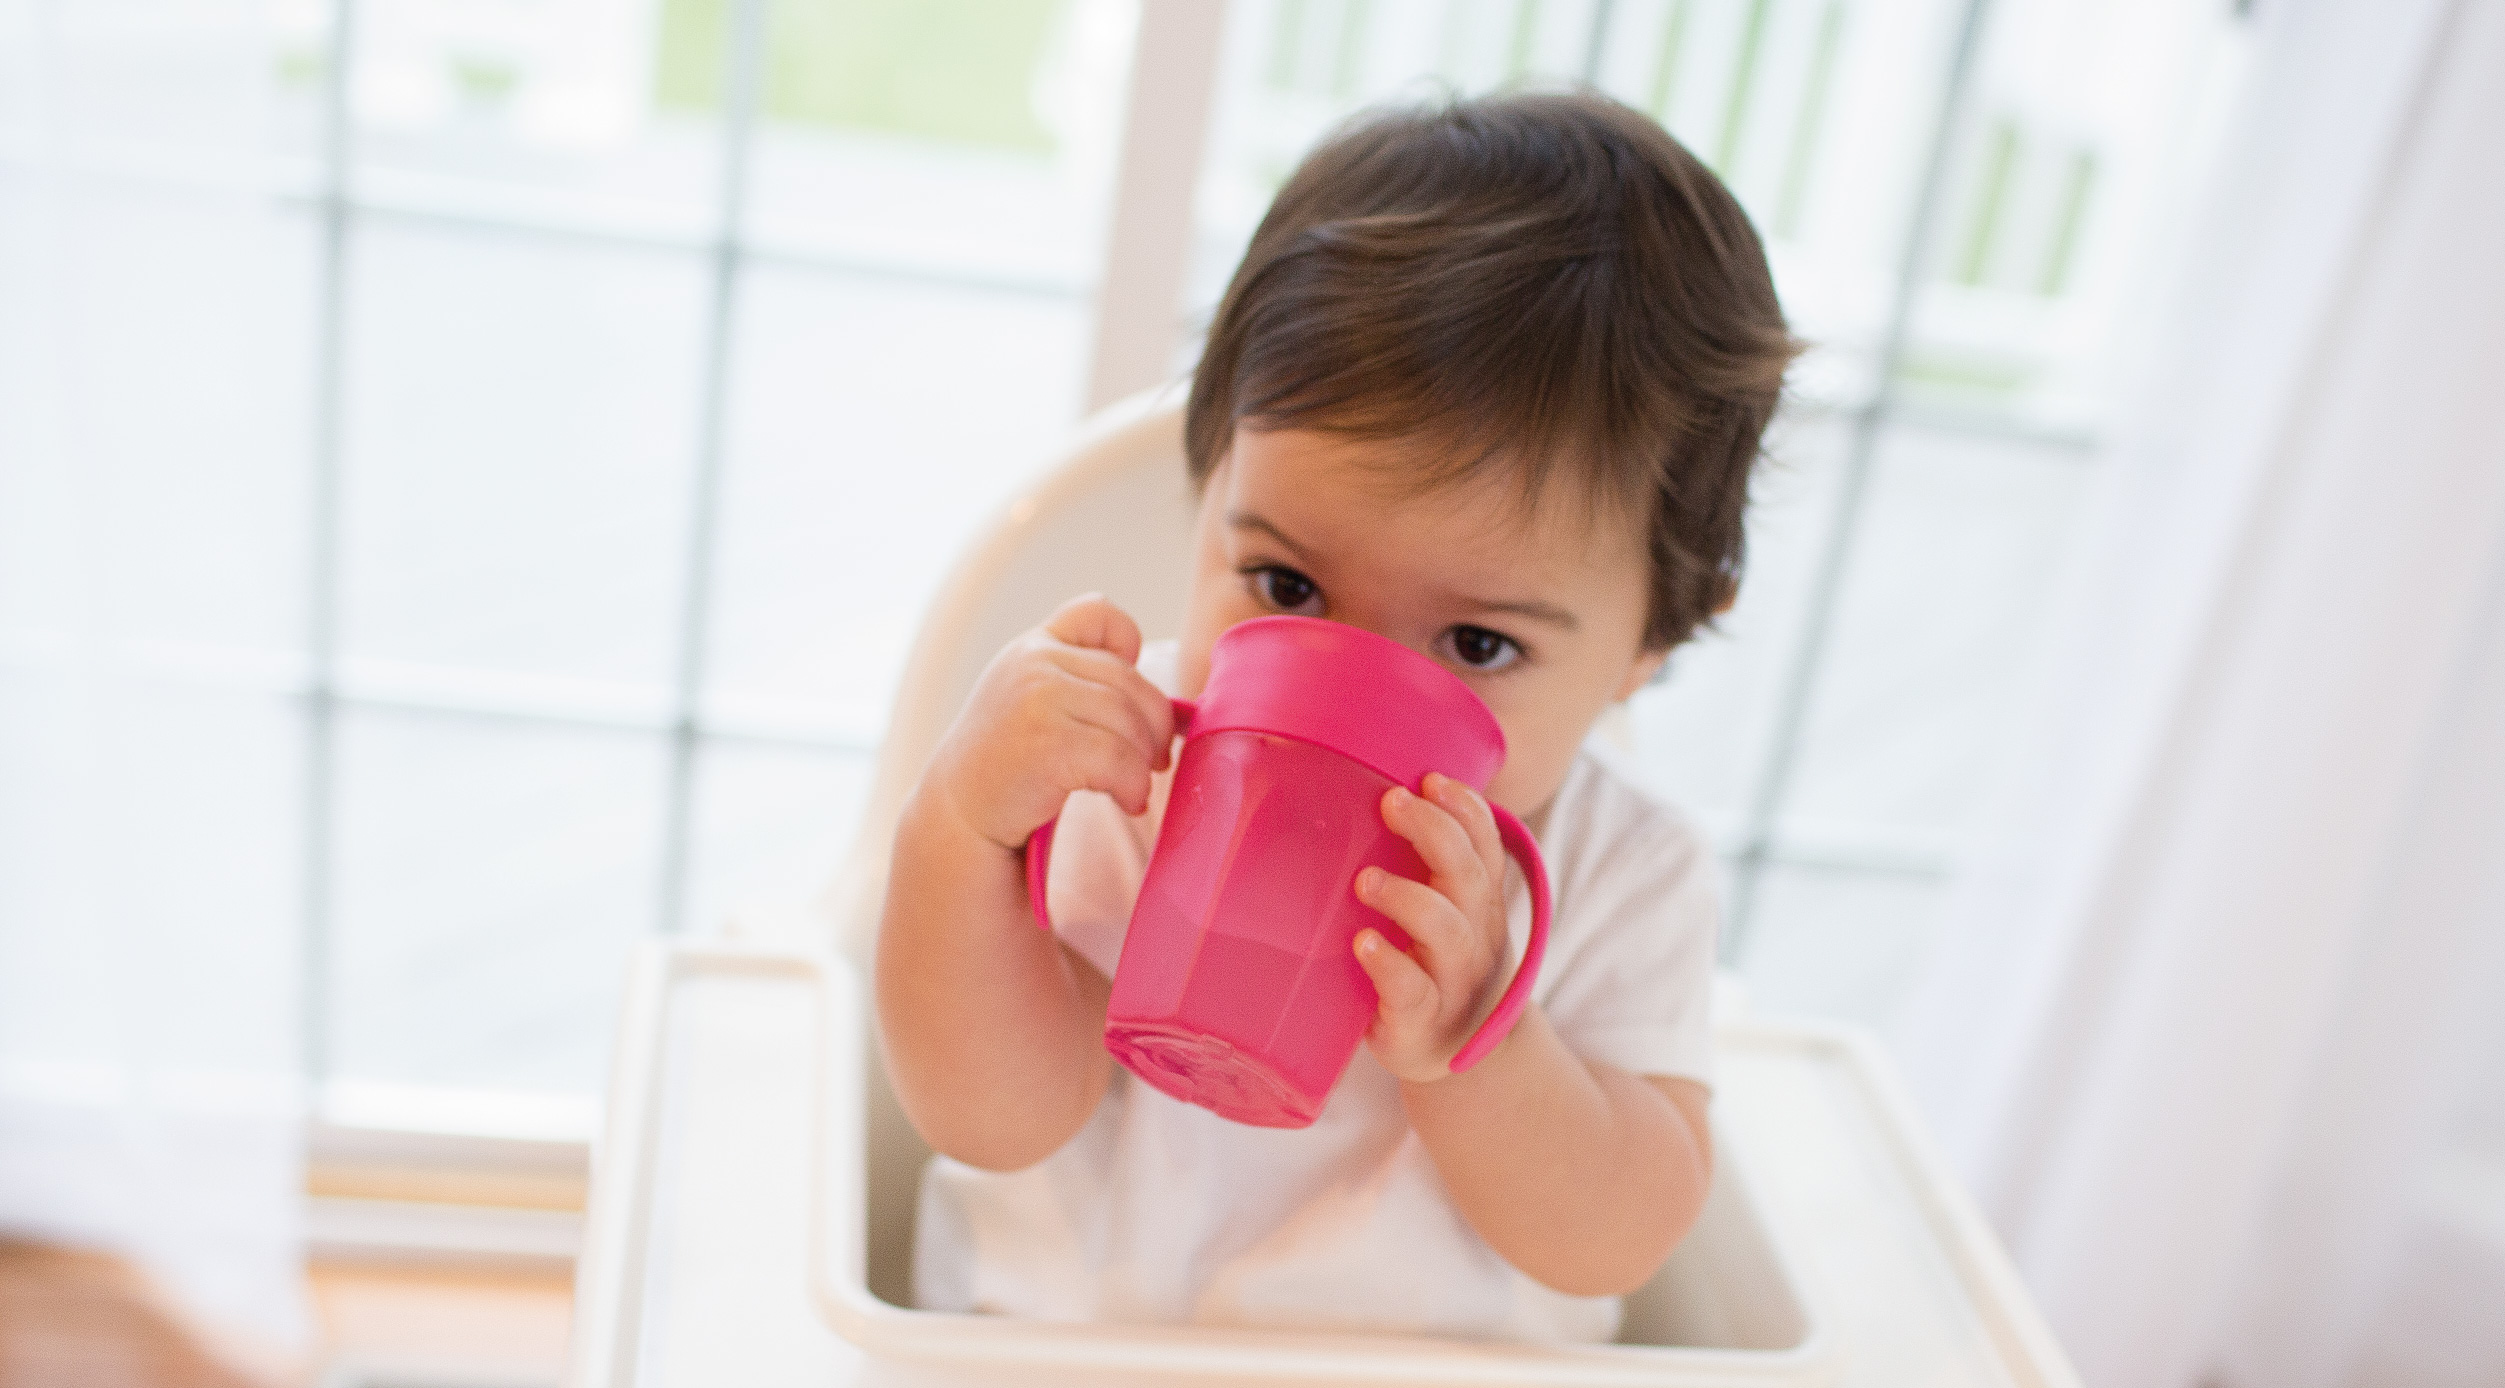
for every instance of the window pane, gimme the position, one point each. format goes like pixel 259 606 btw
pixel 149 871
pixel 522 423
pixel 1838 942
pixel 875 425
pixel 544 111
pixel 2087 144
pixel 153 416
pixel 772 826
pixel 144 84
pixel 491 879
pixel 969 139
pixel 1924 672
pixel 1937 633
pixel 1703 734
pixel 1818 114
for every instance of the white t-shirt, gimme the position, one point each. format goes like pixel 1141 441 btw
pixel 1163 1213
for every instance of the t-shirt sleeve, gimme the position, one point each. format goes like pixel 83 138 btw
pixel 1633 982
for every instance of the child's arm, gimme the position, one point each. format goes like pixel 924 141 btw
pixel 1582 1175
pixel 994 1030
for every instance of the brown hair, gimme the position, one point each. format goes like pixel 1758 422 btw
pixel 1544 280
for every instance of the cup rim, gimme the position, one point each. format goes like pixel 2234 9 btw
pixel 1352 691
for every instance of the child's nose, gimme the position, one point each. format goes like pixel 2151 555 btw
pixel 1387 621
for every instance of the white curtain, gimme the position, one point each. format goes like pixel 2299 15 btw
pixel 2211 1027
pixel 153 315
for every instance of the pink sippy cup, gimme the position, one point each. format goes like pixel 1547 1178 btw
pixel 1238 989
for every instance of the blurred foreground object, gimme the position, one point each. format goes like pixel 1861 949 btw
pixel 89 1319
pixel 2207 1032
pixel 151 1047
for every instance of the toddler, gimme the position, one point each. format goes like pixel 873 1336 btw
pixel 1489 382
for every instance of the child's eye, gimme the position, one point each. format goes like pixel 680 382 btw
pixel 1481 649
pixel 1284 588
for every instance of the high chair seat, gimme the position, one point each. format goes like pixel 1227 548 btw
pixel 753 1192
pixel 1113 516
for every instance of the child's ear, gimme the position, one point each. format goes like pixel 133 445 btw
pixel 1641 673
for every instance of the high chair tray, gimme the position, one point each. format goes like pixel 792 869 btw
pixel 726 1240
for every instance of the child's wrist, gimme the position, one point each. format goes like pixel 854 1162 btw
pixel 1497 1058
pixel 1428 1073
pixel 936 808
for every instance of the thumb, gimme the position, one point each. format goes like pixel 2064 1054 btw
pixel 1097 624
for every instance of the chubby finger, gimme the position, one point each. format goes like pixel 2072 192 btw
pixel 1437 928
pixel 1470 808
pixel 1153 711
pixel 1097 624
pixel 1405 990
pixel 1439 838
pixel 1103 706
pixel 1094 758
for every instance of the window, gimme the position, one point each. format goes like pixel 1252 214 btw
pixel 1836 736
pixel 623 378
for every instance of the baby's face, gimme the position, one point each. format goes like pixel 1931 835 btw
pixel 1541 613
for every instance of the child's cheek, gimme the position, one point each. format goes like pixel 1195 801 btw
pixel 1529 779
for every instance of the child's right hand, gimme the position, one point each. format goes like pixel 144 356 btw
pixel 1060 709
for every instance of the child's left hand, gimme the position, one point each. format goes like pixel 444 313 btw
pixel 1432 995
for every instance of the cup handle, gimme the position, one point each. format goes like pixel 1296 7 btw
pixel 1499 1023
pixel 1039 843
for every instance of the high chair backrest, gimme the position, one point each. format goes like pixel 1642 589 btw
pixel 1112 515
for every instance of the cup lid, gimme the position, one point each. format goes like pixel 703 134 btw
pixel 1364 696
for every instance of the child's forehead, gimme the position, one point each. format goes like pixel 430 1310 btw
pixel 1342 479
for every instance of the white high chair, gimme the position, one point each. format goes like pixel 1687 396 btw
pixel 753 1193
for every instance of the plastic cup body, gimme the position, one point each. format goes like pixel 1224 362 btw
pixel 1238 988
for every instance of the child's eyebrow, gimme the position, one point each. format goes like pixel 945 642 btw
pixel 1247 520
pixel 1533 609
pixel 1537 611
